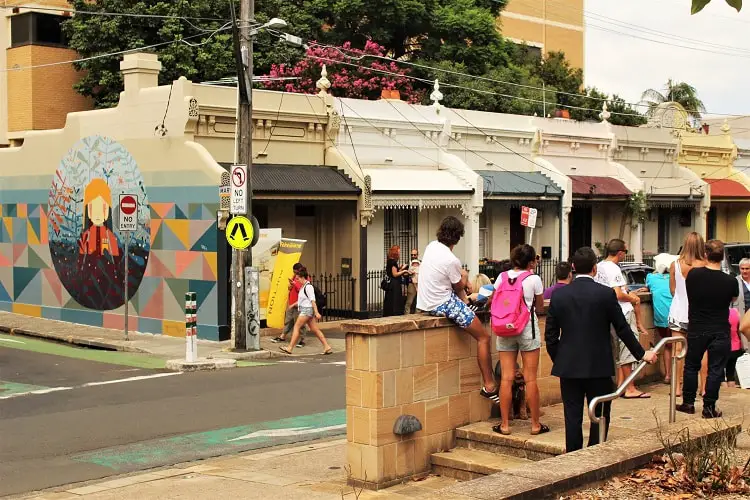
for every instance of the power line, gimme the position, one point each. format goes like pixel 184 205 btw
pixel 108 14
pixel 121 52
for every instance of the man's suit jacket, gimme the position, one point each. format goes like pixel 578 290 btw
pixel 583 312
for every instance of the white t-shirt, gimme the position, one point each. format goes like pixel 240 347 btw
pixel 439 271
pixel 532 286
pixel 306 295
pixel 609 274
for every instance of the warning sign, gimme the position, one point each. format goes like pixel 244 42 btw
pixel 128 212
pixel 240 232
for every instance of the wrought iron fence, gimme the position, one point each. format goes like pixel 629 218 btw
pixel 647 259
pixel 375 294
pixel 340 292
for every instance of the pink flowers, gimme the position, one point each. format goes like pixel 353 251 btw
pixel 349 76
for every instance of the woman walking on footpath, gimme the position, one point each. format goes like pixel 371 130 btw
pixel 692 256
pixel 393 305
pixel 308 314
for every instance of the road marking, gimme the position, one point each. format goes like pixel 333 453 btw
pixel 291 431
pixel 90 384
pixel 130 379
pixel 13 341
pixel 337 363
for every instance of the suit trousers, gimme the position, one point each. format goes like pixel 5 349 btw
pixel 574 391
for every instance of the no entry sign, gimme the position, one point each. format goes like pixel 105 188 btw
pixel 128 212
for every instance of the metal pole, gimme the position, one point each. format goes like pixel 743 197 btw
pixel 673 385
pixel 242 258
pixel 603 428
pixel 125 285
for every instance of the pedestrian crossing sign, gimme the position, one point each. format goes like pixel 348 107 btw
pixel 240 232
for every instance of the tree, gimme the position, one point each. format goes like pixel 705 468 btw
pixel 363 81
pixel 92 35
pixel 699 4
pixel 621 112
pixel 679 92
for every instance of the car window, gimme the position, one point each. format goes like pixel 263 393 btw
pixel 735 254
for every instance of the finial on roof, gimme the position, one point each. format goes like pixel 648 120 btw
pixel 605 114
pixel 726 128
pixel 436 95
pixel 323 84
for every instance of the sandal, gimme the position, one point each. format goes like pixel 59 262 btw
pixel 493 396
pixel 278 340
pixel 499 429
pixel 285 349
pixel 543 429
pixel 326 353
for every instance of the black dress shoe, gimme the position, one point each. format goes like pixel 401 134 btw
pixel 686 408
pixel 711 412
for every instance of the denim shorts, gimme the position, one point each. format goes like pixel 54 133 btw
pixel 455 310
pixel 526 342
pixel 307 312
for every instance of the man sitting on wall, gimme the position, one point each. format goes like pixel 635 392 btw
pixel 442 292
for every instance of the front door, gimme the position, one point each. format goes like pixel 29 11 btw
pixel 580 228
pixel 517 231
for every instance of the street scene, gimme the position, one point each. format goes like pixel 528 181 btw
pixel 339 249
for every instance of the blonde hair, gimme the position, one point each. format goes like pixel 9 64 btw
pixel 97 188
pixel 480 280
pixel 693 249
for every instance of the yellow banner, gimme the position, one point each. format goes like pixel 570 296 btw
pixel 289 253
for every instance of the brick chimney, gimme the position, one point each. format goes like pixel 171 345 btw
pixel 140 70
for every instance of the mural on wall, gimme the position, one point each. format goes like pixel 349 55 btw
pixel 87 253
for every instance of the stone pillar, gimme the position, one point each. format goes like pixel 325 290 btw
pixel 565 233
pixel 140 70
pixel 701 220
pixel 636 242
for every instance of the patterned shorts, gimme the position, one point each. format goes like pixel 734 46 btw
pixel 455 310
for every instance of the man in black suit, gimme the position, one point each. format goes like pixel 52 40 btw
pixel 582 356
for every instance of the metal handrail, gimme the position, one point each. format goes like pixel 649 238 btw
pixel 620 390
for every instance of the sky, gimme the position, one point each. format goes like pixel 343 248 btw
pixel 626 65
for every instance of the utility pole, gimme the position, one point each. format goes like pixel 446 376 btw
pixel 243 258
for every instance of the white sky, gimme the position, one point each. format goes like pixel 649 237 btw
pixel 627 65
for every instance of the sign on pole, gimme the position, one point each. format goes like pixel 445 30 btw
pixel 128 212
pixel 240 232
pixel 127 222
pixel 238 202
pixel 528 219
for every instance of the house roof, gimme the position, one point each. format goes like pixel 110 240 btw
pixel 595 186
pixel 727 188
pixel 504 183
pixel 299 179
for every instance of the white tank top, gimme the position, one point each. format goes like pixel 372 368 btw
pixel 678 312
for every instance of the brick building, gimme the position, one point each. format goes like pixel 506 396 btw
pixel 38 98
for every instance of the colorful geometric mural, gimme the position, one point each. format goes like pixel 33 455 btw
pixel 87 254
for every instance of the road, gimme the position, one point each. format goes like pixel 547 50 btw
pixel 70 414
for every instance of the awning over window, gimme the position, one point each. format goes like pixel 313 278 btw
pixel 415 180
pixel 506 183
pixel 727 188
pixel 595 186
pixel 300 179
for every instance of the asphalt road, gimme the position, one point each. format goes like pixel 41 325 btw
pixel 55 429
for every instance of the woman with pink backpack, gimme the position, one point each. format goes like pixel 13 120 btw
pixel 518 294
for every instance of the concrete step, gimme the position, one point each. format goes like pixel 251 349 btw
pixel 465 464
pixel 520 444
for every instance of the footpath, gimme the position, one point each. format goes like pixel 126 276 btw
pixel 159 346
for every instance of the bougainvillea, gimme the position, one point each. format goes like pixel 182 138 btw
pixel 349 76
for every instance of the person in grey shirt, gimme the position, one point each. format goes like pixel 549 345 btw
pixel 742 304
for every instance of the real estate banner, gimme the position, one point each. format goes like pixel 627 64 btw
pixel 289 254
pixel 264 258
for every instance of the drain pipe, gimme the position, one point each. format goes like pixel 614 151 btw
pixel 560 218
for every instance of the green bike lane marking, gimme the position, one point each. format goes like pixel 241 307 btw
pixel 168 451
pixel 110 357
pixel 10 388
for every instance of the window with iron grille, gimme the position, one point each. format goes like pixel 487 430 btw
pixel 401 229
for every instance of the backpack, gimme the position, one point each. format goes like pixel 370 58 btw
pixel 320 297
pixel 509 313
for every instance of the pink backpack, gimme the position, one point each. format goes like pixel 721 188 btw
pixel 509 312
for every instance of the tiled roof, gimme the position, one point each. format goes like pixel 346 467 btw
pixel 595 186
pixel 299 179
pixel 504 183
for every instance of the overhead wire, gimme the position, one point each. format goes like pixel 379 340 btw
pixel 63 10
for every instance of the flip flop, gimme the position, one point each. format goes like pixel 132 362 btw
pixel 498 428
pixel 543 429
pixel 642 395
pixel 285 349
